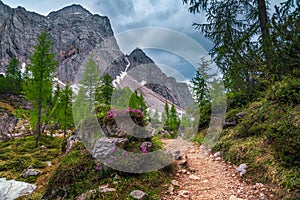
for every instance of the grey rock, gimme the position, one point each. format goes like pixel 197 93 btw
pixel 217 154
pixel 105 147
pixel 30 172
pixel 74 32
pixel 241 169
pixel 262 196
pixel 218 159
pixel 176 155
pixel 143 68
pixel 138 194
pixel 7 124
pixel 11 189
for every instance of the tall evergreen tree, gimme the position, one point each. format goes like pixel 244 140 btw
pixel 90 80
pixel 39 88
pixel 166 116
pixel 174 121
pixel 233 26
pixel 13 76
pixel 104 92
pixel 13 69
pixel 200 83
pixel 65 116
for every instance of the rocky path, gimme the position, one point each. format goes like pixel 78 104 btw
pixel 210 178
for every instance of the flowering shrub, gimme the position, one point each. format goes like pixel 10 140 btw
pixel 136 115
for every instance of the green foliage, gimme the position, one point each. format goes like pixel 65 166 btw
pixel 39 87
pixel 90 81
pixel 13 70
pixel 125 98
pixel 286 92
pixel 12 82
pixel 286 23
pixel 171 120
pixel 267 137
pixel 78 172
pixel 200 83
pixel 104 92
pixel 18 154
pixel 64 116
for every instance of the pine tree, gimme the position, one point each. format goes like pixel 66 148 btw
pixel 174 121
pixel 13 76
pixel 65 116
pixel 166 116
pixel 200 83
pixel 39 88
pixel 143 106
pixel 90 80
pixel 13 70
pixel 104 92
pixel 155 121
pixel 232 26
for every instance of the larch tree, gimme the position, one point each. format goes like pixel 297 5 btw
pixel 90 80
pixel 39 87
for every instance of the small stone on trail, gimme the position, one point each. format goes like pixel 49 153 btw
pixel 175 183
pixel 262 196
pixel 217 154
pixel 171 189
pixel 218 159
pixel 193 177
pixel 184 193
pixel 241 169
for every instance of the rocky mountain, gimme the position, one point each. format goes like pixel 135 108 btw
pixel 77 33
pixel 74 31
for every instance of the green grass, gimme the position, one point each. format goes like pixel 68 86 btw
pixel 267 140
pixel 18 154
pixel 77 172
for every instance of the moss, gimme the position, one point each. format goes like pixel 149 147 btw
pixel 18 154
pixel 78 173
pixel 267 138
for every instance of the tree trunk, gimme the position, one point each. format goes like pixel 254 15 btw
pixel 264 28
pixel 38 126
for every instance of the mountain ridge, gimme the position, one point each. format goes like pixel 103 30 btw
pixel 76 33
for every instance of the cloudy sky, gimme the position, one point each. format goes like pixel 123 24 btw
pixel 127 15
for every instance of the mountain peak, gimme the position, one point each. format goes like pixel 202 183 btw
pixel 139 56
pixel 74 9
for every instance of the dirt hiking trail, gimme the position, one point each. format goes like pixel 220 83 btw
pixel 208 178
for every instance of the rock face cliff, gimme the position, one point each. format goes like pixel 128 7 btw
pixel 76 33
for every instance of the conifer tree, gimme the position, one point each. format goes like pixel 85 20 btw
pixel 165 116
pixel 13 70
pixel 13 76
pixel 174 121
pixel 90 80
pixel 104 92
pixel 39 88
pixel 65 116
